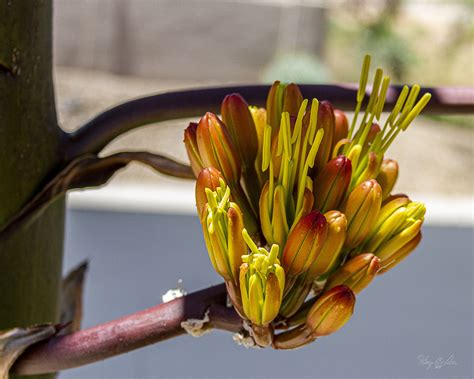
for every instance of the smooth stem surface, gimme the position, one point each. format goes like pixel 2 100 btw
pixel 128 333
pixel 98 132
pixel 31 258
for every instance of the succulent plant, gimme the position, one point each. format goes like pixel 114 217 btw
pixel 297 208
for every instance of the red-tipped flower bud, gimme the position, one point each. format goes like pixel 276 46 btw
pixel 331 184
pixel 304 243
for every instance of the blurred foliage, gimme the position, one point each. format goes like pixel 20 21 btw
pixel 463 121
pixel 432 48
pixel 296 68
pixel 372 29
pixel 389 48
pixel 461 30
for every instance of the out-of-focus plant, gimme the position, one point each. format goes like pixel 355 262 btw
pixel 297 67
pixel 311 196
pixel 373 29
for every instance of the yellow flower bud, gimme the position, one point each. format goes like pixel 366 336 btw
pixel 273 221
pixel 399 255
pixel 259 116
pixel 394 244
pixel 262 281
pixel 399 221
pixel 275 106
pixel 208 178
pixel 222 225
pixel 362 209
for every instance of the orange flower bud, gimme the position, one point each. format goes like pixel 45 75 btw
pixel 387 176
pixel 241 127
pixel 216 148
pixel 341 126
pixel 356 273
pixel 275 106
pixel 239 122
pixel 292 99
pixel 332 247
pixel 293 338
pixel 331 311
pixel 373 131
pixel 190 142
pixel 325 122
pixel 371 169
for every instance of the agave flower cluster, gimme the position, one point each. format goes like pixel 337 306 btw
pixel 296 205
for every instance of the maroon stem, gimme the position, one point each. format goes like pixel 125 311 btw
pixel 128 333
pixel 98 132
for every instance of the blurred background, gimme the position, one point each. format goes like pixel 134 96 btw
pixel 131 230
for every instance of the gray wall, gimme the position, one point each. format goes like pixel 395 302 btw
pixel 183 39
pixel 422 308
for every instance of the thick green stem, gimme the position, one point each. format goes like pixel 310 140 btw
pixel 31 258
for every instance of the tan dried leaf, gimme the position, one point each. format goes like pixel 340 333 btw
pixel 13 342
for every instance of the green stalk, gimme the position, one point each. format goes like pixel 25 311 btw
pixel 31 258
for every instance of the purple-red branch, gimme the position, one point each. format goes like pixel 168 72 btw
pixel 128 333
pixel 98 132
